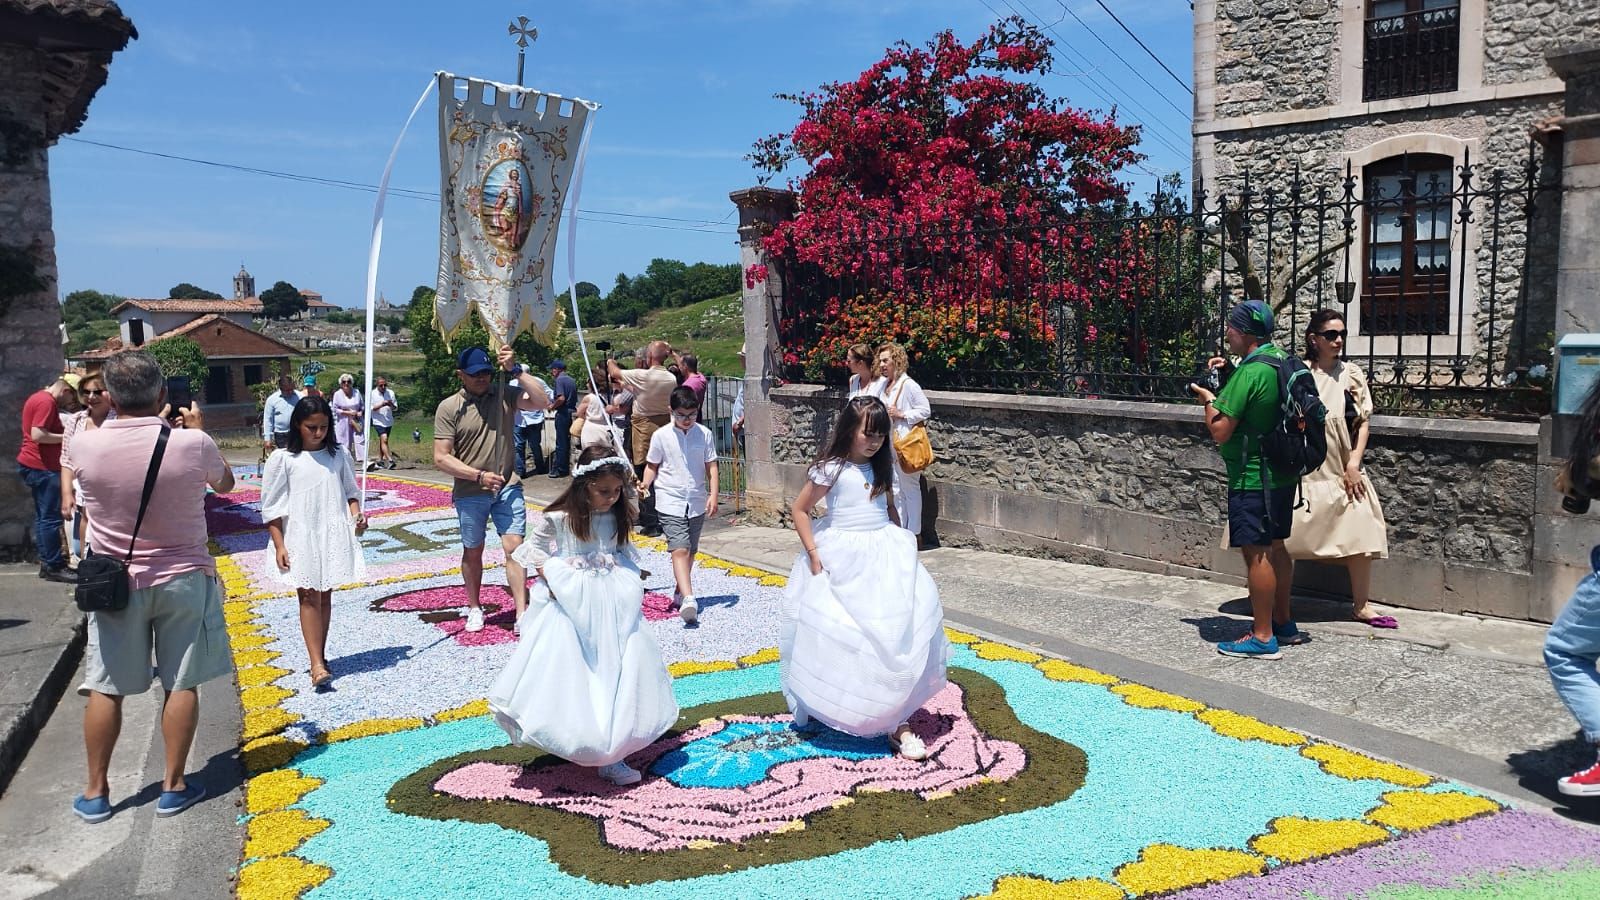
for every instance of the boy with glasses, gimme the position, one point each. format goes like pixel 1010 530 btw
pixel 682 461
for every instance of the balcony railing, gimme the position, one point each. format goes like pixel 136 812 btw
pixel 1412 54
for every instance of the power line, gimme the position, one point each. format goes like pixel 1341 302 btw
pixel 1129 66
pixel 409 193
pixel 1153 124
pixel 1181 83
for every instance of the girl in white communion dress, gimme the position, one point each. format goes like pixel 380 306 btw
pixel 586 681
pixel 861 635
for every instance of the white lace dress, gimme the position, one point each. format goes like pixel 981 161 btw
pixel 862 645
pixel 311 492
pixel 586 682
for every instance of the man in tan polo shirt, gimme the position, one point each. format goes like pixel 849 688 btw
pixel 652 388
pixel 474 440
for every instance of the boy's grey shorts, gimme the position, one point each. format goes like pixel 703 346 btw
pixel 682 533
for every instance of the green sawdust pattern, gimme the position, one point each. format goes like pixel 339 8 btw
pixel 1054 771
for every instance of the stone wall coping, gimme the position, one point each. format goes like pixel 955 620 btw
pixel 1488 93
pixel 1488 431
pixel 1572 61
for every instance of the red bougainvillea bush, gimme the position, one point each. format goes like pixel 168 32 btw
pixel 950 204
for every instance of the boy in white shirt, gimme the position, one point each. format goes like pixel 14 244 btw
pixel 682 465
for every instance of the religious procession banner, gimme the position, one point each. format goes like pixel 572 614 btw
pixel 507 156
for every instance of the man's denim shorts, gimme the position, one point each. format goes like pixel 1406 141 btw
pixel 507 509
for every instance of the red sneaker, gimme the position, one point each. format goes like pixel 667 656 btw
pixel 1582 784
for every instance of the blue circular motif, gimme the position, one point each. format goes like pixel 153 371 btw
pixel 742 753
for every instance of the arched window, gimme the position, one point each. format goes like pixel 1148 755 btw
pixel 1412 47
pixel 1408 207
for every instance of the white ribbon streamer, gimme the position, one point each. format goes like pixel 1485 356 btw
pixel 572 272
pixel 372 276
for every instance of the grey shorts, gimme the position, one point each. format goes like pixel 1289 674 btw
pixel 682 533
pixel 180 621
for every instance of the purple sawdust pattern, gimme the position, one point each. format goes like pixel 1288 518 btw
pixel 1513 842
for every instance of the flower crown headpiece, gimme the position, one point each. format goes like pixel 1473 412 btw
pixel 598 464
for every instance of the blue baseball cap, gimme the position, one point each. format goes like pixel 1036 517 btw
pixel 559 364
pixel 474 361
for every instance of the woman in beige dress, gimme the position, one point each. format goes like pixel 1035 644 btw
pixel 1341 520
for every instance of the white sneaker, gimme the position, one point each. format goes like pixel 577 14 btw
pixel 620 773
pixel 689 611
pixel 475 618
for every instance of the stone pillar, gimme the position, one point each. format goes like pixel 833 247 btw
pixel 31 353
pixel 1561 541
pixel 760 209
pixel 1578 272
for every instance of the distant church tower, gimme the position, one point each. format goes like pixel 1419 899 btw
pixel 244 284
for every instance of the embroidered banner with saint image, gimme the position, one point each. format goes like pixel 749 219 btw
pixel 506 161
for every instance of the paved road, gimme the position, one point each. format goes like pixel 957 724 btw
pixel 1459 696
pixel 48 852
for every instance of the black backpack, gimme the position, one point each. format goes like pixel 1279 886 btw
pixel 1298 443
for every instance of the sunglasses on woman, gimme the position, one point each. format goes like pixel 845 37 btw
pixel 1332 334
pixel 93 392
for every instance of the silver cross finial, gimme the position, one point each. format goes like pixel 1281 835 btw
pixel 522 32
pixel 518 28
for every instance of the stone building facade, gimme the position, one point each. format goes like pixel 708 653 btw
pixel 54 57
pixel 1402 94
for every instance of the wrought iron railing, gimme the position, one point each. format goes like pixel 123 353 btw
pixel 1411 54
pixel 1125 302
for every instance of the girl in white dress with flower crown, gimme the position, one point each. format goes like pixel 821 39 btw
pixel 586 681
pixel 312 508
pixel 861 635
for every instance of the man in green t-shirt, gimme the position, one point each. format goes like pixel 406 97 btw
pixel 1260 498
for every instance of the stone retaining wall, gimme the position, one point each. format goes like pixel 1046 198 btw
pixel 1140 485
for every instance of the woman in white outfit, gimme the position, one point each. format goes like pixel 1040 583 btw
pixel 861 359
pixel 908 407
pixel 861 631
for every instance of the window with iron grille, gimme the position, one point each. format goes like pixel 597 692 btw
pixel 1412 47
pixel 1408 203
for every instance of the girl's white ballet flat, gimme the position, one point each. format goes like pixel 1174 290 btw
pixel 909 747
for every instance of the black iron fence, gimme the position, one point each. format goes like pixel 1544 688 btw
pixel 1443 273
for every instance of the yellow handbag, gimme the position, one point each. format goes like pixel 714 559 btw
pixel 913 448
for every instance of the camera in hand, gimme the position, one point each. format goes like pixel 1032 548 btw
pixel 603 346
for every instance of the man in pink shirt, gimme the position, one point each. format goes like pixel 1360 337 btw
pixel 39 466
pixel 175 605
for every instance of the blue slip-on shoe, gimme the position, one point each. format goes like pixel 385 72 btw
pixel 1251 647
pixel 174 802
pixel 92 811
pixel 1289 634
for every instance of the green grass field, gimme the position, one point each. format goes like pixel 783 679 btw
pixel 711 329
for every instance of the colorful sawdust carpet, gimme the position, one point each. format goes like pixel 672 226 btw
pixel 1045 779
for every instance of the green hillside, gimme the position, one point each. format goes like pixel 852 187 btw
pixel 711 329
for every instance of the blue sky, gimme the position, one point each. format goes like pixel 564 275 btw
pixel 322 89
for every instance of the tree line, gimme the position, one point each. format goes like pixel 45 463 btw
pixel 664 284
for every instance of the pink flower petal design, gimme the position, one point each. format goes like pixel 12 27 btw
pixel 657 815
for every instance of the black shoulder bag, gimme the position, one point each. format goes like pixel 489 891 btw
pixel 103 580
